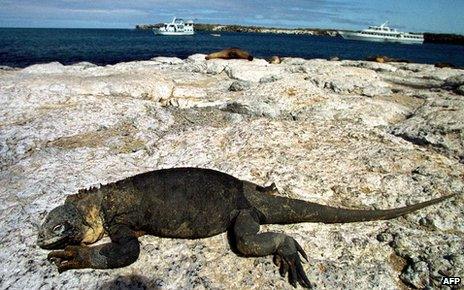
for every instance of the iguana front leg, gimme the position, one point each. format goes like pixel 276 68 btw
pixel 284 248
pixel 123 250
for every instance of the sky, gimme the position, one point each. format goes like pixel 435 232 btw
pixel 410 15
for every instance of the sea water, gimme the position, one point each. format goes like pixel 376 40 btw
pixel 20 47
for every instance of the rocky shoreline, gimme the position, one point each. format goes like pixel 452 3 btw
pixel 346 133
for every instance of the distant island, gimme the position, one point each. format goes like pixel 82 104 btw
pixel 428 37
pixel 253 29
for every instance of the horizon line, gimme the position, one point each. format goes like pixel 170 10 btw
pixel 243 25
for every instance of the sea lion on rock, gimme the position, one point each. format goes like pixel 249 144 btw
pixel 230 53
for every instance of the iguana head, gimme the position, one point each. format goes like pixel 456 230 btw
pixel 63 226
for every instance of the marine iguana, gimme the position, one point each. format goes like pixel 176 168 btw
pixel 186 203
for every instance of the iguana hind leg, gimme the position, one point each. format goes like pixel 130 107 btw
pixel 123 250
pixel 284 248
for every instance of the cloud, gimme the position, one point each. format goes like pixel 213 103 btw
pixel 125 12
pixel 349 14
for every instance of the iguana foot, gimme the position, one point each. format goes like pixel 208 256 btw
pixel 286 251
pixel 288 260
pixel 72 257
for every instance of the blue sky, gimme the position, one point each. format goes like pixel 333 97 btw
pixel 411 15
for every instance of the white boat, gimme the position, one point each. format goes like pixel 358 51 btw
pixel 176 27
pixel 383 33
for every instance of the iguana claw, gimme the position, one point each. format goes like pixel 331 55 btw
pixel 289 261
pixel 70 258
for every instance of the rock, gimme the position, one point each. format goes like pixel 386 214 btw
pixel 347 80
pixel 384 237
pixel 215 66
pixel 270 79
pixel 6 68
pixel 383 59
pixel 427 269
pixel 414 67
pixel 417 275
pixel 372 91
pixel 84 65
pixel 48 68
pixel 275 60
pixel 295 69
pixel 237 86
pixel 196 67
pixel 258 62
pixel 293 61
pixel 197 63
pixel 316 133
pixel 413 82
pixel 199 57
pixel 183 97
pixel 438 123
pixel 454 82
pixel 460 90
pixel 188 92
pixel 154 91
pixel 132 66
pixel 378 67
pixel 237 108
pixel 168 60
pixel 159 91
pixel 252 71
pixel 444 64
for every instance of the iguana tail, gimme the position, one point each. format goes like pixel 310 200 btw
pixel 281 210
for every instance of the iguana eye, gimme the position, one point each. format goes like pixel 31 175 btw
pixel 58 229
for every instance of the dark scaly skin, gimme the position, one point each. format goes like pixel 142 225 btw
pixel 186 203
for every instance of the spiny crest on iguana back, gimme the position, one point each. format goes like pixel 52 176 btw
pixel 82 193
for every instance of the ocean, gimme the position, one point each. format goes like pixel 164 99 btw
pixel 21 47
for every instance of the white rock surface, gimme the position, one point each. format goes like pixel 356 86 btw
pixel 252 71
pixel 199 57
pixel 168 60
pixel 332 132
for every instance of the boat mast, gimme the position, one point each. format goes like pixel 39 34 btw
pixel 383 24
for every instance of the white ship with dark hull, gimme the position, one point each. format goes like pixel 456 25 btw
pixel 176 27
pixel 383 33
